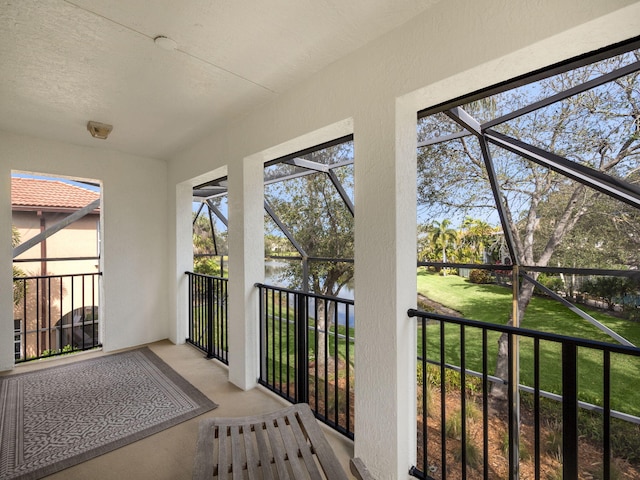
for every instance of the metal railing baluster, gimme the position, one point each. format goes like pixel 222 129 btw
pixel 38 333
pixel 570 349
pixel 207 323
pixel 333 378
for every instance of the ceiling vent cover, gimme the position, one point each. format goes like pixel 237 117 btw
pixel 99 130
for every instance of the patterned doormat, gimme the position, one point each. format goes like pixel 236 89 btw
pixel 60 416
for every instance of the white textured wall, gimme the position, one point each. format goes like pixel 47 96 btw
pixel 135 246
pixel 456 47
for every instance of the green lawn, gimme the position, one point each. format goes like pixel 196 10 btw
pixel 280 342
pixel 492 303
pixel 199 331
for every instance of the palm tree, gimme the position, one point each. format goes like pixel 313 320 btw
pixel 18 293
pixel 443 236
pixel 476 235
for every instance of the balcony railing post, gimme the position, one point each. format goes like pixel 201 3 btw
pixel 190 311
pixel 210 308
pixel 302 350
pixel 514 382
pixel 569 410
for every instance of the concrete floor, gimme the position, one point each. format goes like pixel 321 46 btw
pixel 169 454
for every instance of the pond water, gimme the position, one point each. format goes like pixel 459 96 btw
pixel 273 275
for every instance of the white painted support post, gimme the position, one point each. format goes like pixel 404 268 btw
pixel 385 286
pixel 7 359
pixel 184 261
pixel 246 267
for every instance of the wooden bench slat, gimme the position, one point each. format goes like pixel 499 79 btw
pixel 359 469
pixel 252 456
pixel 237 463
pixel 204 462
pixel 223 465
pixel 277 450
pixel 326 456
pixel 263 451
pixel 289 440
pixel 290 445
pixel 305 449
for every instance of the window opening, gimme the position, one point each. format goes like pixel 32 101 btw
pixel 309 210
pixel 542 164
pixel 56 264
pixel 548 166
pixel 307 310
pixel 210 228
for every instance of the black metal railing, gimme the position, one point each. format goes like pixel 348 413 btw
pixel 55 314
pixel 208 327
pixel 459 416
pixel 307 352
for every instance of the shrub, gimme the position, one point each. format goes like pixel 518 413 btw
pixel 472 411
pixel 448 271
pixel 523 451
pixel 479 276
pixel 452 380
pixel 474 454
pixel 631 312
pixel 425 389
pixel 625 436
pixel 425 307
pixel 616 471
pixel 19 288
pixel 552 282
pixel 553 441
pixel 453 425
pixel 555 474
pixel 610 289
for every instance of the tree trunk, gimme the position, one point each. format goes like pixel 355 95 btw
pixel 323 323
pixel 321 337
pixel 499 391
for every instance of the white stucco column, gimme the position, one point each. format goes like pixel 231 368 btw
pixel 385 284
pixel 246 267
pixel 7 358
pixel 183 255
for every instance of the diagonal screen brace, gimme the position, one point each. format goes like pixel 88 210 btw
pixel 579 312
pixel 616 188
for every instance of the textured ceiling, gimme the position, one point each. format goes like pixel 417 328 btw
pixel 63 63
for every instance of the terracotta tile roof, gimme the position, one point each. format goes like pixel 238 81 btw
pixel 53 194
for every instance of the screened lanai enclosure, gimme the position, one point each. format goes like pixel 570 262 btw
pixel 528 288
pixel 529 191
